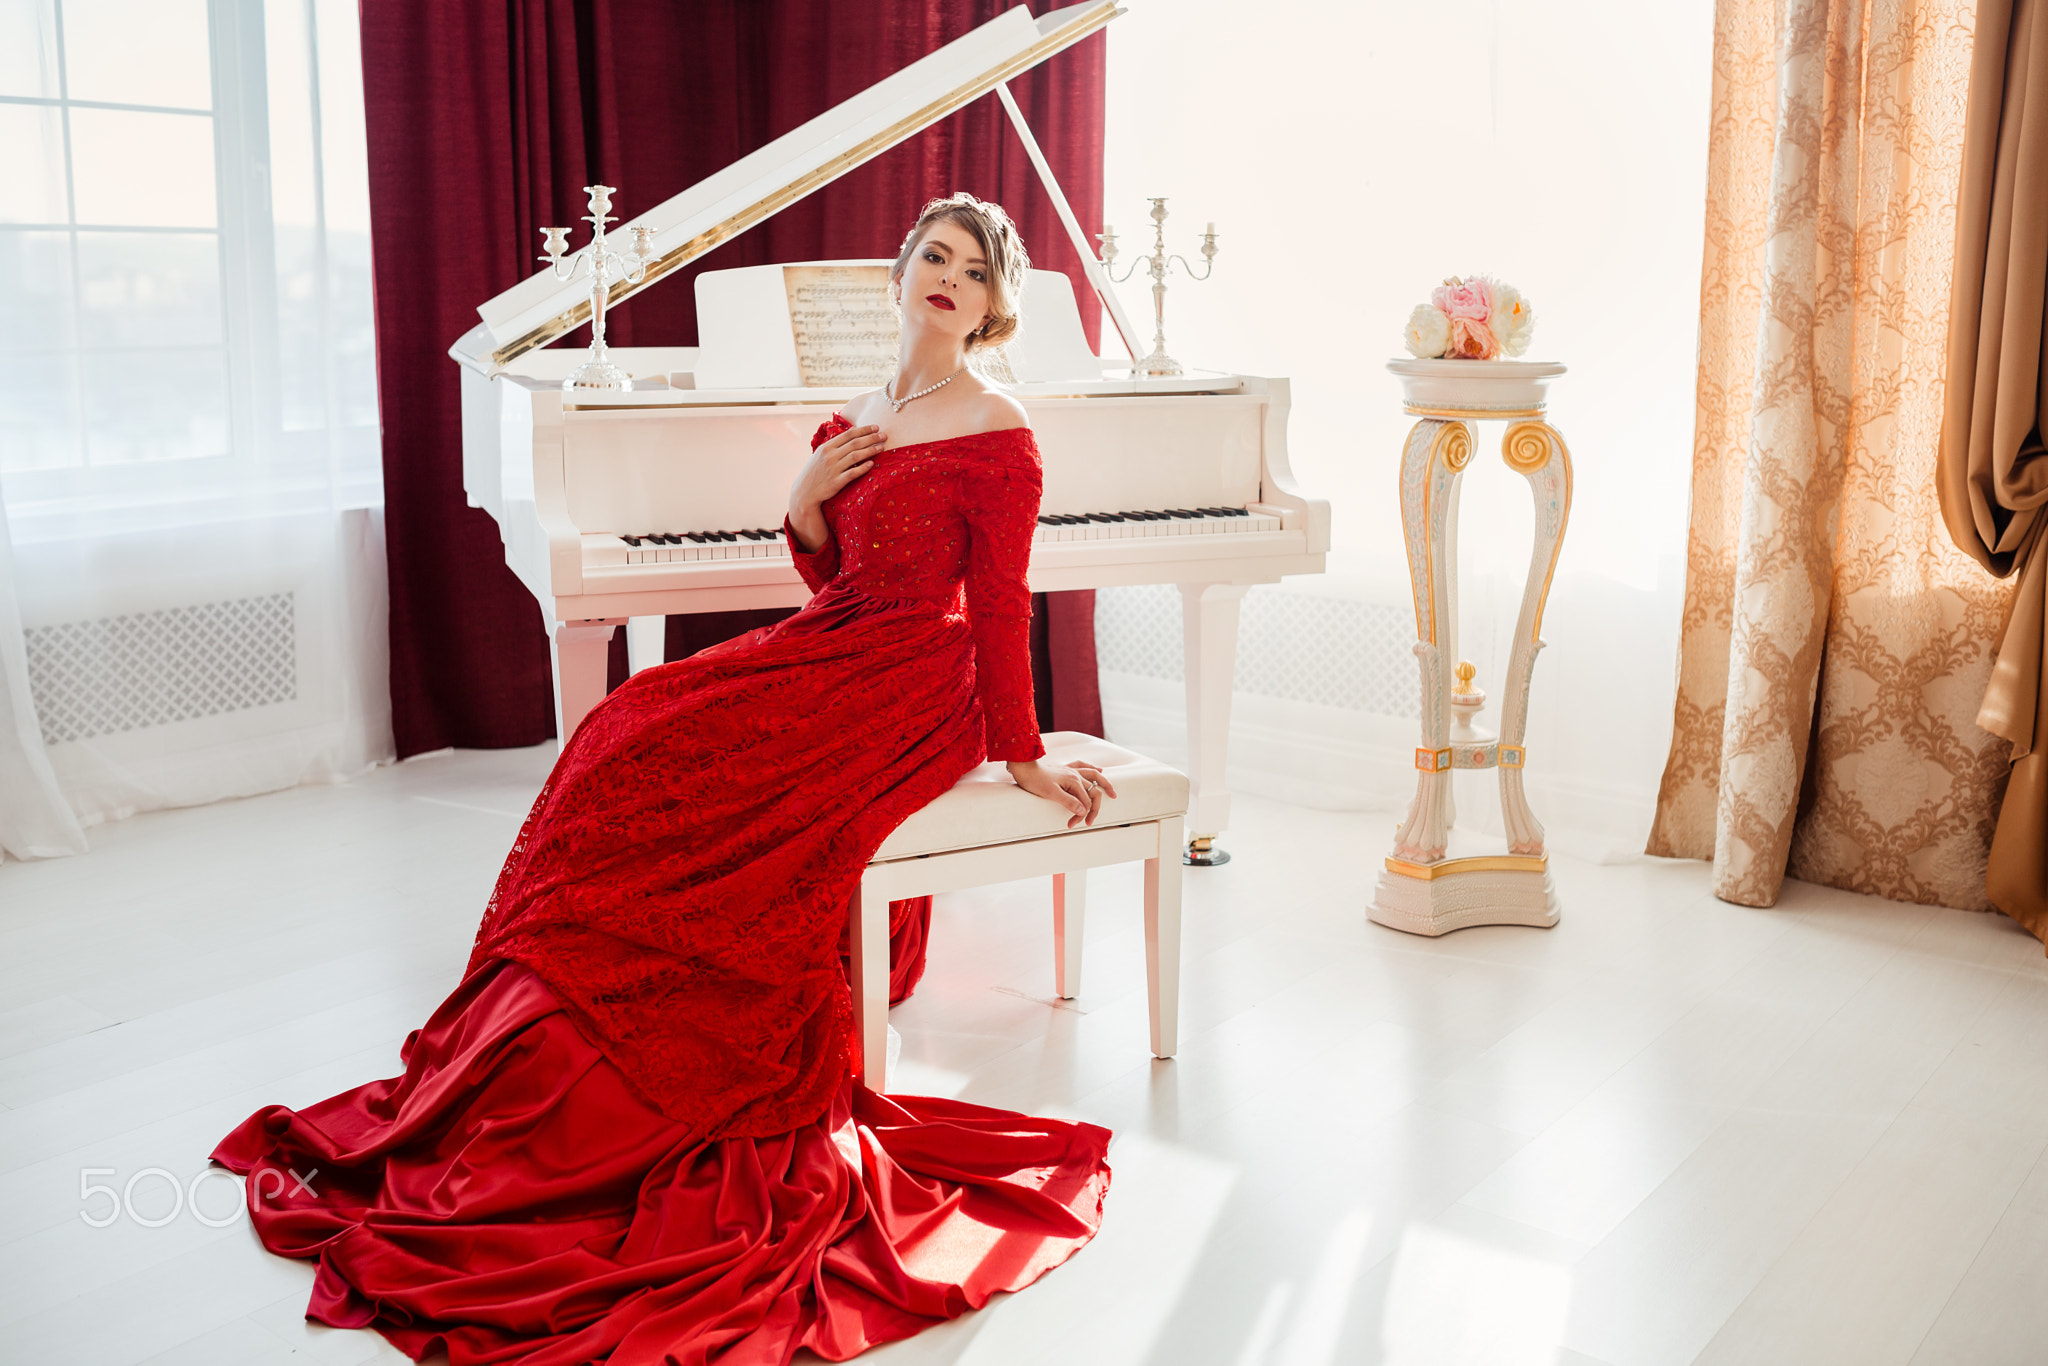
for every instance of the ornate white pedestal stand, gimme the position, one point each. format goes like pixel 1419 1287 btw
pixel 1422 890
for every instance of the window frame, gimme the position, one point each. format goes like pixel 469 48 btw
pixel 245 255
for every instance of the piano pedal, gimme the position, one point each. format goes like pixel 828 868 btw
pixel 1203 853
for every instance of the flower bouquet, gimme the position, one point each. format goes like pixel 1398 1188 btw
pixel 1477 319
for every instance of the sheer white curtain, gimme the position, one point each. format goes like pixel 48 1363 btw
pixel 188 426
pixel 35 822
pixel 1352 155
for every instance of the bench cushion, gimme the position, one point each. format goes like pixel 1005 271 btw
pixel 986 807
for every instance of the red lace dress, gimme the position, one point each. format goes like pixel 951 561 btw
pixel 631 1133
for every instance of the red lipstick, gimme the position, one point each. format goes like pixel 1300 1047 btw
pixel 939 301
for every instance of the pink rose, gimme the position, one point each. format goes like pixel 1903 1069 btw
pixel 1472 339
pixel 1471 299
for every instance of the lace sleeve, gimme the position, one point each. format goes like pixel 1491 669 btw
pixel 999 500
pixel 817 566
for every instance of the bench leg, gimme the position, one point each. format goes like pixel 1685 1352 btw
pixel 1069 915
pixel 870 941
pixel 1162 939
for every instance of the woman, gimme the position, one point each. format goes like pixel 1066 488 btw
pixel 631 1134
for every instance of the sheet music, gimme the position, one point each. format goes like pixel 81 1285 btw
pixel 844 326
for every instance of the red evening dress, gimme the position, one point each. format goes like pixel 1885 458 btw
pixel 631 1134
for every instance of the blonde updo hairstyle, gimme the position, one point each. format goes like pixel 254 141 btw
pixel 1001 247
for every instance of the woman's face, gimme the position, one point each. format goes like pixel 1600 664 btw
pixel 944 284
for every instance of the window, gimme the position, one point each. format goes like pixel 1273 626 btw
pixel 185 328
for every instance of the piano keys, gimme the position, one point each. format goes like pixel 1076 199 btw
pixel 1120 526
pixel 757 543
pixel 761 543
pixel 668 498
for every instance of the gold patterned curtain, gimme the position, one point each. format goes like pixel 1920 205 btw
pixel 1835 643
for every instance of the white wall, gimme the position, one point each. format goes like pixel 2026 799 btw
pixel 1351 156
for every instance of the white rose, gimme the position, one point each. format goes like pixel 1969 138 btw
pixel 1429 332
pixel 1514 321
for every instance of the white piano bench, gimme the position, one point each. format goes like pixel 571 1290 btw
pixel 987 829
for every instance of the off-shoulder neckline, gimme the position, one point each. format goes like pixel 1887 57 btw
pixel 942 441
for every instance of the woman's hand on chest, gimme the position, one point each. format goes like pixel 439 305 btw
pixel 832 466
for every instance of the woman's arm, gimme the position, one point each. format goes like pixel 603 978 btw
pixel 998 500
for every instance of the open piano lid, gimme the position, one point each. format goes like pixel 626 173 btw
pixel 760 185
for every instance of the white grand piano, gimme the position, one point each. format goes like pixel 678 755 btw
pixel 623 507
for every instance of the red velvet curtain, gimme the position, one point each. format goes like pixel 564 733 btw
pixel 487 117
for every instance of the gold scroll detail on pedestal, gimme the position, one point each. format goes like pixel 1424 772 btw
pixel 1526 448
pixel 1471 414
pixel 1483 863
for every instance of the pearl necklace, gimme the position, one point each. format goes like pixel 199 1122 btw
pixel 896 404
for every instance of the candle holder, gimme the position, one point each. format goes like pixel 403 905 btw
pixel 606 268
pixel 1156 265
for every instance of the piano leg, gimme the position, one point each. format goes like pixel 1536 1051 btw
pixel 1209 639
pixel 646 642
pixel 582 652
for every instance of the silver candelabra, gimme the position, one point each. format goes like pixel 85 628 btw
pixel 1156 264
pixel 606 268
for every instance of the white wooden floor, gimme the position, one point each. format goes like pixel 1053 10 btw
pixel 1668 1130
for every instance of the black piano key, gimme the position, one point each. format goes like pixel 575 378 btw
pixel 1237 512
pixel 750 535
pixel 1183 514
pixel 630 540
pixel 768 535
